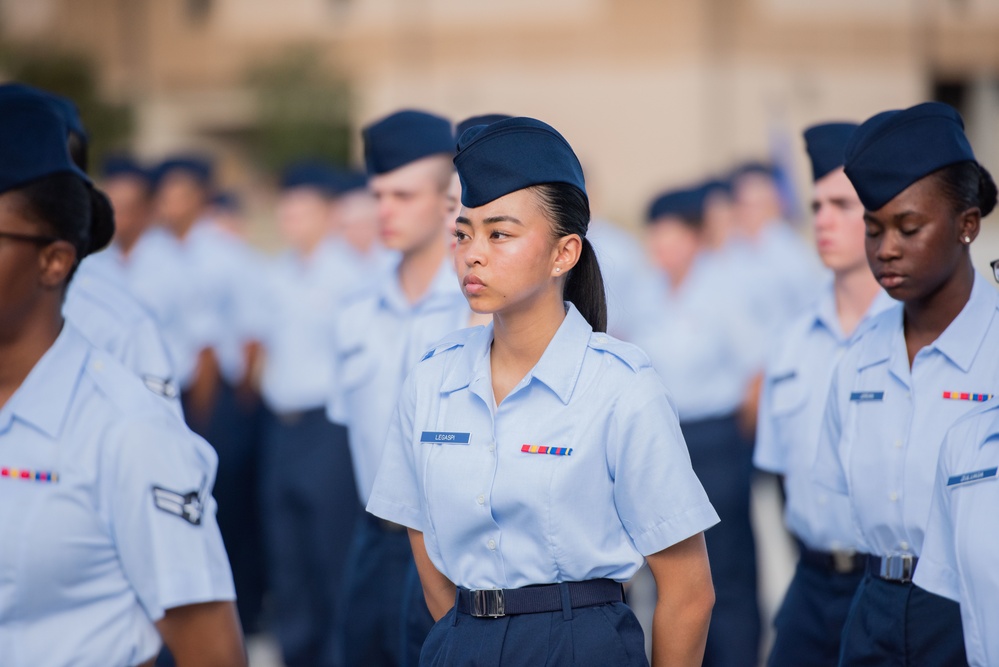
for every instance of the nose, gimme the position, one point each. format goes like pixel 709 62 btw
pixel 474 251
pixel 824 218
pixel 889 246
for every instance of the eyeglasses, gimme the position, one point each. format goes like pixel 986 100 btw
pixel 28 238
pixel 995 269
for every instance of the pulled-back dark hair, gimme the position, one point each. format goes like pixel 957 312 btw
pixel 569 211
pixel 968 185
pixel 70 210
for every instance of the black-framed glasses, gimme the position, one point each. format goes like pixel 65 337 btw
pixel 28 238
pixel 995 269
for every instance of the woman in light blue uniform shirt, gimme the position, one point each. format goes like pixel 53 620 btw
pixel 110 540
pixel 795 389
pixel 538 462
pixel 922 365
pixel 960 551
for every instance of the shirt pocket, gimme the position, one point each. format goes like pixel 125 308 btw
pixel 789 395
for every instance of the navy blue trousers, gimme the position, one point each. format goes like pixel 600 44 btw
pixel 606 635
pixel 310 509
pixel 383 619
pixel 901 625
pixel 234 431
pixel 723 461
pixel 810 621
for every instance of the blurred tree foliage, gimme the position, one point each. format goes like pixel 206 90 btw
pixel 109 126
pixel 302 111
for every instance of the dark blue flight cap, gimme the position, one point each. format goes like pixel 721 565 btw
pixel 351 180
pixel 894 149
pixel 686 204
pixel 33 144
pixel 720 186
pixel 484 119
pixel 32 138
pixel 510 155
pixel 404 137
pixel 63 106
pixel 115 166
pixel 228 202
pixel 310 174
pixel 198 167
pixel 826 145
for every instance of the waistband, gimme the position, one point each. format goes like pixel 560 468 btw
pixel 838 562
pixel 493 603
pixel 898 568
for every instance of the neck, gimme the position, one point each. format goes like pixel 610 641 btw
pixel 22 346
pixel 854 291
pixel 927 318
pixel 520 339
pixel 184 227
pixel 419 267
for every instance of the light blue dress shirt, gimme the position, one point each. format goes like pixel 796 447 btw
pixel 961 551
pixel 494 514
pixel 106 514
pixel 168 276
pixel 306 298
pixel 111 319
pixel 792 402
pixel 704 342
pixel 378 338
pixel 632 286
pixel 884 423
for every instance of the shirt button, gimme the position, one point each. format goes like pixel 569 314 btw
pixel 894 496
pixel 904 546
pixel 823 499
pixel 898 444
pixel 98 365
pixel 492 446
pixel 481 499
pixel 491 544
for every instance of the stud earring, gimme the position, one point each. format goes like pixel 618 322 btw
pixel 558 269
pixel 967 239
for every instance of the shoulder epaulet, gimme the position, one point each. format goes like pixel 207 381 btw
pixel 450 341
pixel 632 355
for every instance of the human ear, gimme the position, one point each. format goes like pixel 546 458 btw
pixel 969 223
pixel 56 262
pixel 568 250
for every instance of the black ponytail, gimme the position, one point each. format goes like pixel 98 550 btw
pixel 968 185
pixel 569 211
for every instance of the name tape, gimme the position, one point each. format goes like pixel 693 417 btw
pixel 445 438
pixel 864 396
pixel 972 476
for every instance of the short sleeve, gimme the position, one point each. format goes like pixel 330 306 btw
pixel 144 352
pixel 396 494
pixel 768 453
pixel 162 514
pixel 658 496
pixel 828 469
pixel 937 570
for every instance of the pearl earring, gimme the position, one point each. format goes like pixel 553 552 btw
pixel 967 239
pixel 557 269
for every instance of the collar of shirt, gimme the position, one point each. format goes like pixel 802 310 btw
pixel 558 369
pixel 826 315
pixel 959 342
pixel 43 398
pixel 443 291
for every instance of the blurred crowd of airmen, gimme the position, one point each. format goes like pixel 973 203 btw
pixel 291 366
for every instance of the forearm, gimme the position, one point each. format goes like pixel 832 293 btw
pixel 680 629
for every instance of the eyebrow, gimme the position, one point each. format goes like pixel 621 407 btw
pixel 462 220
pixel 898 217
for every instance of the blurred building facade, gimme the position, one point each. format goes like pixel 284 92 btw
pixel 649 92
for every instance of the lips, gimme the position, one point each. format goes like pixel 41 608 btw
pixel 890 280
pixel 472 284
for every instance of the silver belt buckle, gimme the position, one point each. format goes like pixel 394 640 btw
pixel 898 568
pixel 843 561
pixel 488 603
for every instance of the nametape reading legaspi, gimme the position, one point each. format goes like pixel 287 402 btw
pixel 445 438
pixel 972 476
pixel 863 396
